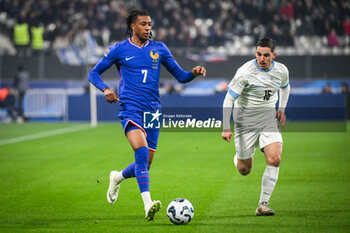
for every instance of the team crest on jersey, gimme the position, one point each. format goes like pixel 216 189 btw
pixel 106 53
pixel 155 56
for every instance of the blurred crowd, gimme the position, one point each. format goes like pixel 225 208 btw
pixel 181 23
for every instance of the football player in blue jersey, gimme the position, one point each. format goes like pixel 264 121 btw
pixel 138 61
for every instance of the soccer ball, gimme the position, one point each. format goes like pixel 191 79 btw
pixel 180 211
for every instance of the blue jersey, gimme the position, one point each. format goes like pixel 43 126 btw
pixel 139 69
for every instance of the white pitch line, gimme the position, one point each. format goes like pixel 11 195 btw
pixel 44 134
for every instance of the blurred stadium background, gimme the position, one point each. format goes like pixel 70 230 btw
pixel 54 44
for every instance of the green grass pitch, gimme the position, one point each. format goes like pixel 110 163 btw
pixel 58 183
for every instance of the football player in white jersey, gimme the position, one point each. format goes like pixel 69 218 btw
pixel 253 90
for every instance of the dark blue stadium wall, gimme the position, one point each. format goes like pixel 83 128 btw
pixel 316 67
pixel 300 107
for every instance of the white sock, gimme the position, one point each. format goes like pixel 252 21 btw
pixel 268 182
pixel 235 160
pixel 146 198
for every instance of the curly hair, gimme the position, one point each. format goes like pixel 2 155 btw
pixel 132 17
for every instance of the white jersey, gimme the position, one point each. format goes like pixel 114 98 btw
pixel 256 91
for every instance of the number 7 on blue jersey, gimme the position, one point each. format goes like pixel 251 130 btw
pixel 144 72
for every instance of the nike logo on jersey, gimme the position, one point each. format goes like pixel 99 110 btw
pixel 128 58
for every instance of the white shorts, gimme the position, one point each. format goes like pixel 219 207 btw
pixel 247 142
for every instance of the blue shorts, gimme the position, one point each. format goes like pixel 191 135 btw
pixel 136 123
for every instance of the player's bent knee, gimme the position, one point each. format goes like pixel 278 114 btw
pixel 141 156
pixel 275 161
pixel 244 171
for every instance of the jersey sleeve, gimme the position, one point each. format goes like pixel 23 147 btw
pixel 237 84
pixel 171 65
pixel 285 80
pixel 109 58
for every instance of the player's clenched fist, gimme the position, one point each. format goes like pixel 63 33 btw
pixel 110 96
pixel 227 135
pixel 199 70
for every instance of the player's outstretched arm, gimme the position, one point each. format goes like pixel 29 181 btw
pixel 95 74
pixel 198 71
pixel 110 95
